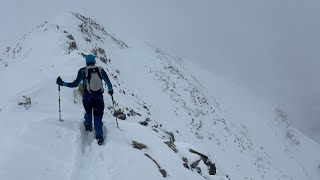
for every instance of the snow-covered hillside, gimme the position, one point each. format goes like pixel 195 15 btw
pixel 186 127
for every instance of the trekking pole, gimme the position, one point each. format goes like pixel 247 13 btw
pixel 114 109
pixel 59 105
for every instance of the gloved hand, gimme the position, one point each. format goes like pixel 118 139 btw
pixel 110 92
pixel 59 81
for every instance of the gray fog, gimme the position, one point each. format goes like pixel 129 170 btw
pixel 271 47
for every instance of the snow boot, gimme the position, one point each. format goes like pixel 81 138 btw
pixel 100 141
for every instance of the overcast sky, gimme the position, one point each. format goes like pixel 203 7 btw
pixel 272 47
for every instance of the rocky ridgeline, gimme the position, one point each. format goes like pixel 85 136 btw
pixel 283 122
pixel 19 50
pixel 15 51
pixel 91 30
pixel 186 92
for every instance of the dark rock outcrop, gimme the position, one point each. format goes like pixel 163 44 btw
pixel 211 166
pixel 138 145
pixel 120 114
pixel 162 171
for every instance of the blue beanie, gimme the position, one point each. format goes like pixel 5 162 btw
pixel 90 59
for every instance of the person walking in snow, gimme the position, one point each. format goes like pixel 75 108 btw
pixel 92 77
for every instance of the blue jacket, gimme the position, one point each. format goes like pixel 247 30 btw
pixel 81 77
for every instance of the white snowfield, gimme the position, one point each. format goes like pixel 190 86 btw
pixel 245 137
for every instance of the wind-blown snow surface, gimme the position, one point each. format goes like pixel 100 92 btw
pixel 245 137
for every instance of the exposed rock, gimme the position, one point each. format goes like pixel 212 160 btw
pixel 101 51
pixel 171 146
pixel 120 114
pixel 185 162
pixel 92 30
pixel 26 103
pixel 122 117
pixel 133 113
pixel 72 45
pixel 186 165
pixel 104 60
pixel 184 159
pixel 212 168
pixel 227 176
pixel 144 123
pixel 195 164
pixel 171 137
pixel 138 145
pixel 200 154
pixel 162 171
pixel 206 160
pixel 70 37
pixel 198 170
pixel 145 107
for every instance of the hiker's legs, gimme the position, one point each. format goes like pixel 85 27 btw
pixel 98 109
pixel 88 106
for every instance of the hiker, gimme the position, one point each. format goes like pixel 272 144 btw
pixel 92 76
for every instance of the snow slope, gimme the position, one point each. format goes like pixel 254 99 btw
pixel 244 136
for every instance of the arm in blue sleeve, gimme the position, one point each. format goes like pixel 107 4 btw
pixel 76 82
pixel 106 79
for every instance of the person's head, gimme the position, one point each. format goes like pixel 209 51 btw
pixel 90 59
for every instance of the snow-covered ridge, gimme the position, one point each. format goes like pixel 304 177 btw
pixel 165 107
pixel 85 37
